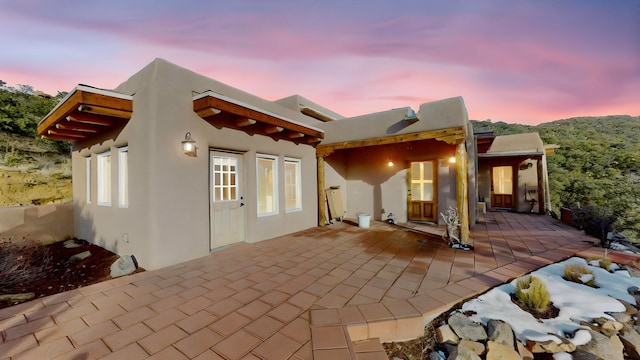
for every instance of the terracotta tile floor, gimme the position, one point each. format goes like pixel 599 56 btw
pixel 325 293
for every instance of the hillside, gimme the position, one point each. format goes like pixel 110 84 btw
pixel 597 163
pixel 32 170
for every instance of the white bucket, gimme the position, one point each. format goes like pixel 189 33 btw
pixel 364 220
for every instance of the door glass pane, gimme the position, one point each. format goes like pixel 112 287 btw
pixel 224 178
pixel 503 180
pixel 422 176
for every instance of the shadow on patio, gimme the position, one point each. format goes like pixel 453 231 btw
pixel 303 296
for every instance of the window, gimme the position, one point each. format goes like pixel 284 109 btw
pixel 88 180
pixel 104 179
pixel 225 174
pixel 422 176
pixel 267 179
pixel 292 186
pixel 123 177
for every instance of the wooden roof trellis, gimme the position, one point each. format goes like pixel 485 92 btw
pixel 452 136
pixel 86 113
pixel 224 112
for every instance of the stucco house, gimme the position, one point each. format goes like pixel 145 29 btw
pixel 171 165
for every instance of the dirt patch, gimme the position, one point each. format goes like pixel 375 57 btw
pixel 60 273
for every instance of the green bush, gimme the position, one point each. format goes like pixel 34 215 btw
pixel 13 158
pixel 532 293
pixel 596 221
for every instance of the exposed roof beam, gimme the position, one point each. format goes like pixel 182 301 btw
pixel 90 119
pixel 78 126
pixel 99 110
pixel 244 121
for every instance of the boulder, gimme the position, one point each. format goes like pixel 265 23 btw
pixel 601 347
pixel 446 335
pixel 467 329
pixel 608 325
pixel 621 317
pixel 71 244
pixel 629 308
pixel 80 256
pixel 551 346
pixel 525 354
pixel 631 341
pixel 461 352
pixel 476 347
pixel 125 265
pixel 498 351
pixel 501 332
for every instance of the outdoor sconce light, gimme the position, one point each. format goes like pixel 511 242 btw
pixel 390 163
pixel 526 166
pixel 189 146
pixel 452 160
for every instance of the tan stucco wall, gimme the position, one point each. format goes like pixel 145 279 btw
pixel 167 220
pixel 528 178
pixel 46 223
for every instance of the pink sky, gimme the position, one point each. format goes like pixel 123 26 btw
pixel 520 62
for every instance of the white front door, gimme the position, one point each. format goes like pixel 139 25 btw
pixel 226 200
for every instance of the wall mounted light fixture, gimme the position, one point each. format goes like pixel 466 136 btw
pixel 452 160
pixel 189 146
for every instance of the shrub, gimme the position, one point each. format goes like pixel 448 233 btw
pixel 595 221
pixel 578 273
pixel 532 293
pixel 13 158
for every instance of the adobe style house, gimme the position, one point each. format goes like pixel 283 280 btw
pixel 512 172
pixel 171 165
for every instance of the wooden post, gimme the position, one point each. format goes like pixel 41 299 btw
pixel 322 209
pixel 462 192
pixel 542 195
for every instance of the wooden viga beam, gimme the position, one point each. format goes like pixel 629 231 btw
pixel 99 110
pixel 208 111
pixel 241 121
pixel 91 119
pixel 272 129
pixel 78 126
pixel 67 133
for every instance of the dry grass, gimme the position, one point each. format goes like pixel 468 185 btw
pixel 17 262
pixel 532 293
pixel 579 273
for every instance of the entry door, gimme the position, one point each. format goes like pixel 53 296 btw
pixel 422 191
pixel 226 200
pixel 502 187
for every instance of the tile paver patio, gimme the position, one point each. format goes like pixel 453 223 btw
pixel 301 296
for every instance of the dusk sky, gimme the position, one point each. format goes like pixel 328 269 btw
pixel 521 61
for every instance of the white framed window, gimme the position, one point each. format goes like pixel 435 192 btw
pixel 88 179
pixel 104 179
pixel 267 179
pixel 123 177
pixel 292 184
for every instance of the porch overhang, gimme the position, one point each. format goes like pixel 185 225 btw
pixel 511 157
pixel 86 113
pixel 224 112
pixel 452 136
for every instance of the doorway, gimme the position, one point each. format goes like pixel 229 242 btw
pixel 502 187
pixel 227 210
pixel 422 197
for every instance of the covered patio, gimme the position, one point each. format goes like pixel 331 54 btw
pixel 331 292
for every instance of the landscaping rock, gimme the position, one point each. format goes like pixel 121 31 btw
pixel 608 325
pixel 501 332
pixel 125 265
pixel 467 329
pixel 550 346
pixel 601 347
pixel 446 335
pixel 629 309
pixel 435 355
pixel 462 353
pixel 498 351
pixel 71 244
pixel 525 354
pixel 621 317
pixel 631 341
pixel 476 347
pixel 81 256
